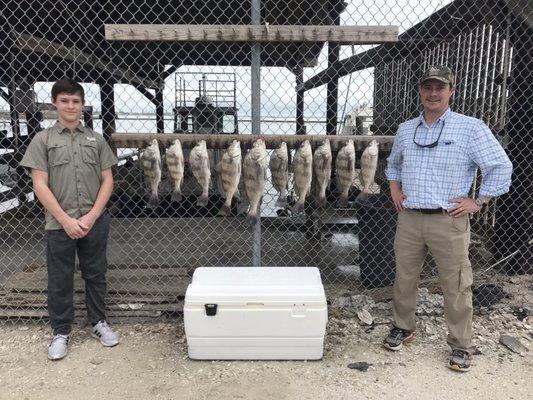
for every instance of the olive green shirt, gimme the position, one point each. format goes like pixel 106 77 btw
pixel 74 162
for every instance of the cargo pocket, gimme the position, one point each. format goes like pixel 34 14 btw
pixel 89 152
pixel 466 278
pixel 58 154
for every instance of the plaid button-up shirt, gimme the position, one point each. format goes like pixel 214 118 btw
pixel 430 177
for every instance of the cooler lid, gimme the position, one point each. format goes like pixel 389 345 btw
pixel 265 285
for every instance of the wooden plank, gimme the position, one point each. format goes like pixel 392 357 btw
pixel 43 46
pixel 139 140
pixel 160 282
pixel 346 35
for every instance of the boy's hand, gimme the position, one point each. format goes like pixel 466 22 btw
pixel 74 228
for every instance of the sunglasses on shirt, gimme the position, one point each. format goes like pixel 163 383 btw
pixel 431 145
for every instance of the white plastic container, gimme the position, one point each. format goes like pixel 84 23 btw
pixel 255 313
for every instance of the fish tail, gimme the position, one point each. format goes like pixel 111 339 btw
pixel 298 207
pixel 202 201
pixel 176 196
pixel 321 201
pixel 282 201
pixel 363 196
pixel 154 201
pixel 252 217
pixel 226 209
pixel 342 202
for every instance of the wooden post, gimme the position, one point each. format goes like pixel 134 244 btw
pixel 159 111
pixel 107 97
pixel 333 86
pixel 300 127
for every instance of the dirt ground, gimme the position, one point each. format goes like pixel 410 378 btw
pixel 151 363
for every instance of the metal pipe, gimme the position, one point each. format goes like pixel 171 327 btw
pixel 256 119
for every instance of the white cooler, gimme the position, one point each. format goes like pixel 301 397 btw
pixel 255 313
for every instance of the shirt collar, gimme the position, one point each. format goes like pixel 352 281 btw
pixel 443 117
pixel 61 128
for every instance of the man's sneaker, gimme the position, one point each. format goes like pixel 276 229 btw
pixel 58 347
pixel 459 361
pixel 397 338
pixel 103 331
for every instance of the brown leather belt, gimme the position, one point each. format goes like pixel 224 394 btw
pixel 430 210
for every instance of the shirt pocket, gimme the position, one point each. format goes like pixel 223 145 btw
pixel 89 152
pixel 58 154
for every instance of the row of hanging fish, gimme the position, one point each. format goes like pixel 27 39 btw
pixel 306 166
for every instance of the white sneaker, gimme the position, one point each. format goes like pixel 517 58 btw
pixel 108 337
pixel 58 347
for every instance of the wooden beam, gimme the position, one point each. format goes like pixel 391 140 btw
pixel 347 35
pixel 140 140
pixel 53 49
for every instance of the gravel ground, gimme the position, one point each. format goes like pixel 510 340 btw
pixel 151 361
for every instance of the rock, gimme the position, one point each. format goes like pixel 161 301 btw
pixel 360 366
pixel 365 317
pixel 429 303
pixel 430 329
pixel 513 344
pixel 341 302
pixel 96 361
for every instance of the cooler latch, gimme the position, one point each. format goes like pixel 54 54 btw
pixel 211 309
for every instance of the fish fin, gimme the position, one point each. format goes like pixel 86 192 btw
pixel 176 196
pixel 237 195
pixel 282 201
pixel 252 217
pixel 154 201
pixel 202 201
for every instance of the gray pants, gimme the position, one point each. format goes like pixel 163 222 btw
pixel 60 254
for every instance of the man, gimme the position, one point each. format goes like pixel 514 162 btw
pixel 431 169
pixel 71 172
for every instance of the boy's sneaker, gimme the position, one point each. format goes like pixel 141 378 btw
pixel 397 338
pixel 108 337
pixel 459 361
pixel 58 347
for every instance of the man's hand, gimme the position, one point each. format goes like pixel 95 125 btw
pixel 397 196
pixel 74 228
pixel 88 221
pixel 463 206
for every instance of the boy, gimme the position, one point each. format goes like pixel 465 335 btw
pixel 71 173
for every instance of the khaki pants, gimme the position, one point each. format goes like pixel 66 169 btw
pixel 447 239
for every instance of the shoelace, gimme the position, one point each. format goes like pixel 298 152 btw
pixel 397 333
pixel 57 338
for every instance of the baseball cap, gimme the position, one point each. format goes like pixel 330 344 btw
pixel 439 72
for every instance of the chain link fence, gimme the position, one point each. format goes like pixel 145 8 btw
pixel 190 68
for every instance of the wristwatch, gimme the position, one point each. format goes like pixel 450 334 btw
pixel 480 201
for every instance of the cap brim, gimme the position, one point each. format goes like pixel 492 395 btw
pixel 436 78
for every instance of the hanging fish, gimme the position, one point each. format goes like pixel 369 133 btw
pixel 151 162
pixel 254 173
pixel 303 173
pixel 345 171
pixel 322 167
pixel 176 166
pixel 229 175
pixel 279 168
pixel 369 165
pixel 199 162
